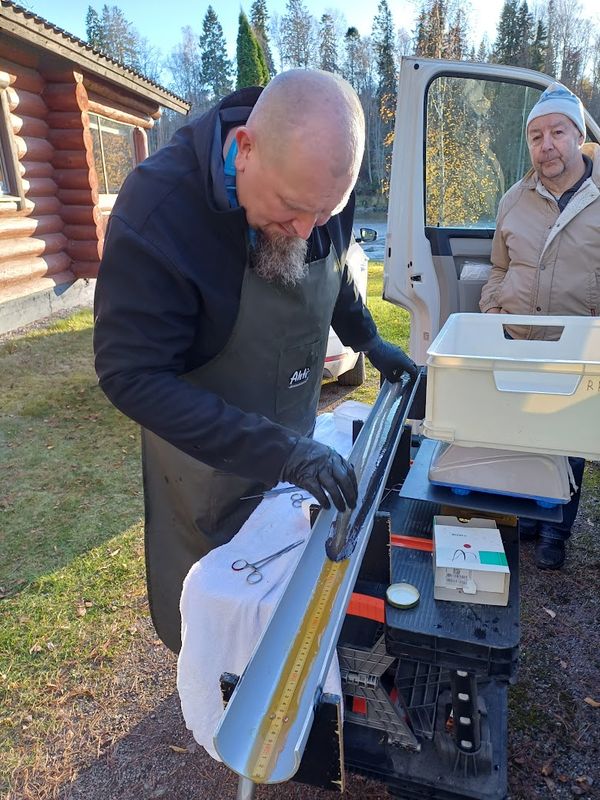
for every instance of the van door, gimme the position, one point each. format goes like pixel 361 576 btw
pixel 459 145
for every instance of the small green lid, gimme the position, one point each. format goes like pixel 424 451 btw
pixel 402 595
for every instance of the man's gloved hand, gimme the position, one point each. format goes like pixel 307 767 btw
pixel 318 469
pixel 391 361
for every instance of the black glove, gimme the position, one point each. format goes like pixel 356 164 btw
pixel 391 361
pixel 318 469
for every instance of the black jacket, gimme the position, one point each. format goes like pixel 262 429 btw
pixel 168 293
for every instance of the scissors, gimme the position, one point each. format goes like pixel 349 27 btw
pixel 255 575
pixel 297 499
pixel 271 493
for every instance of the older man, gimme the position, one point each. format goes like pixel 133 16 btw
pixel 546 252
pixel 223 269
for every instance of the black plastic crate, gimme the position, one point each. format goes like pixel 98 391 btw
pixel 419 686
pixel 468 636
pixel 438 771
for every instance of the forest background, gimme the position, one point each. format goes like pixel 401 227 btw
pixel 552 36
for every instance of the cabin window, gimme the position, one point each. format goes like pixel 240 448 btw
pixel 114 152
pixel 4 185
pixel 11 190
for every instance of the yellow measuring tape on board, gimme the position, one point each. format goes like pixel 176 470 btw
pixel 284 706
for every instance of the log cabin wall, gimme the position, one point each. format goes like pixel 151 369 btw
pixel 33 245
pixel 57 234
pixel 73 170
pixel 60 185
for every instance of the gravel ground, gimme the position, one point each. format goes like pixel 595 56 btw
pixel 129 741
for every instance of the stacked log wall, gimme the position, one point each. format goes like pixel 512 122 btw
pixel 55 233
pixel 33 252
pixel 74 170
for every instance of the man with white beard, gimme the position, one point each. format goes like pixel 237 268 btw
pixel 223 269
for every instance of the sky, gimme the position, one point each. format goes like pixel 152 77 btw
pixel 162 28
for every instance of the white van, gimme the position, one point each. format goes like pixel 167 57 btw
pixel 342 362
pixel 459 145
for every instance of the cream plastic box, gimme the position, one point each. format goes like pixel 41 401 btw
pixel 515 394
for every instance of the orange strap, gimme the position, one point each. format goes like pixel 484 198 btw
pixel 413 542
pixel 367 607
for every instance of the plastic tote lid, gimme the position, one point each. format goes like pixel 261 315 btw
pixel 402 595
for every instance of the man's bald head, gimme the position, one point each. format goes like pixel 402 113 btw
pixel 300 152
pixel 313 110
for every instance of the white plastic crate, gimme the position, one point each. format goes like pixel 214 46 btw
pixel 519 394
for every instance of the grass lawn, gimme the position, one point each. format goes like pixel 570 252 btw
pixel 71 538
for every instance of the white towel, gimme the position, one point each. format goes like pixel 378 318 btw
pixel 223 615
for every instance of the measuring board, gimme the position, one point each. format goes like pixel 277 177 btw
pixel 273 728
pixel 267 721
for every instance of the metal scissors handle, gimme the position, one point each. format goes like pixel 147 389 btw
pixel 255 575
pixel 297 499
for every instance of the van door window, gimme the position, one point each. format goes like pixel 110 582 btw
pixel 475 148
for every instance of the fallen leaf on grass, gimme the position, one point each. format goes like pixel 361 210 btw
pixel 549 612
pixel 176 749
pixel 36 648
pixel 81 610
pixel 591 702
pixel 549 783
pixel 114 552
pixel 584 779
pixel 547 769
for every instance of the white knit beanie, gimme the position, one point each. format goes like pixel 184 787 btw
pixel 557 99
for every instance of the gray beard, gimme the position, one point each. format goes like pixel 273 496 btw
pixel 280 259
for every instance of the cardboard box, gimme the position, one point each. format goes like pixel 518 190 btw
pixel 469 561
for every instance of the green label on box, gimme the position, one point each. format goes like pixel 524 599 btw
pixel 493 557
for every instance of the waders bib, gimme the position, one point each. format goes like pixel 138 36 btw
pixel 271 365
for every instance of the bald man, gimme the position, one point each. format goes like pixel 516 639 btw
pixel 223 269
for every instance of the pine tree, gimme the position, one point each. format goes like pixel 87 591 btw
pixel 298 44
pixel 328 56
pixel 550 54
pixel 121 38
pixel 251 69
pixel 383 40
pixel 456 38
pixel 483 51
pixel 93 30
pixel 216 67
pixel 524 30
pixel 537 55
pixel 507 45
pixel 351 42
pixel 114 36
pixel 259 19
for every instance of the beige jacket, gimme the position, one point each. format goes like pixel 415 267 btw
pixel 544 262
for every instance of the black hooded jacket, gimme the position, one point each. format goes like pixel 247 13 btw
pixel 168 294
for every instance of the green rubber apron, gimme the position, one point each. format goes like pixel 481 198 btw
pixel 271 365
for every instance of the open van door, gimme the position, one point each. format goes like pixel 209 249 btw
pixel 459 145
